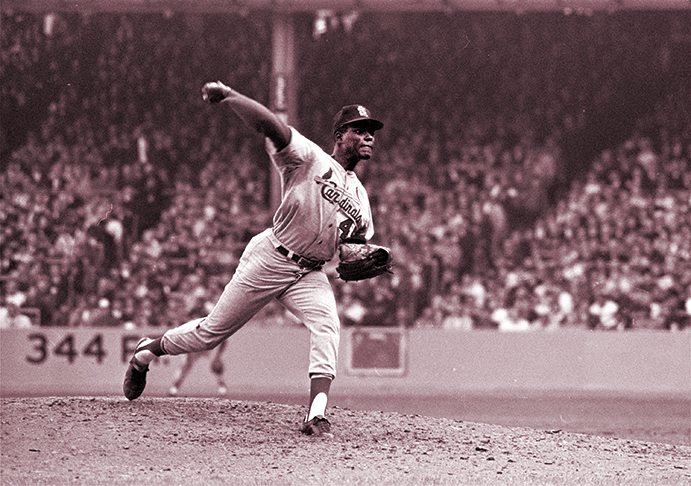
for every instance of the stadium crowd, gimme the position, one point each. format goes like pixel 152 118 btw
pixel 533 174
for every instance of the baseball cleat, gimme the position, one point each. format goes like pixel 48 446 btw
pixel 135 376
pixel 318 427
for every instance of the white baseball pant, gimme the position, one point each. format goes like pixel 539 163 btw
pixel 264 274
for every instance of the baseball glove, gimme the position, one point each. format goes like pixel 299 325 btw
pixel 363 261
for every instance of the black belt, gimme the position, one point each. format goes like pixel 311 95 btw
pixel 300 260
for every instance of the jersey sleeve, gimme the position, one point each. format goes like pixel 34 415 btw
pixel 300 152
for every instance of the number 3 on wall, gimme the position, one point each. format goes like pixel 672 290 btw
pixel 66 348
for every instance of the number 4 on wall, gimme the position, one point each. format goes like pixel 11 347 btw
pixel 95 348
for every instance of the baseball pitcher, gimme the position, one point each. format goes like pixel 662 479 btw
pixel 324 210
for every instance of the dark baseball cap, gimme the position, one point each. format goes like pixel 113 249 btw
pixel 355 113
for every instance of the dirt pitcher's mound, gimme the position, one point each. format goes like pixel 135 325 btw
pixel 216 441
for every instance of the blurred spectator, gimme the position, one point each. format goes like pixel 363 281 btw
pixel 605 314
pixel 510 320
pixel 11 316
pixel 98 313
pixel 458 316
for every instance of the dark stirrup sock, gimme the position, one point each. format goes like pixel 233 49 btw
pixel 155 346
pixel 319 383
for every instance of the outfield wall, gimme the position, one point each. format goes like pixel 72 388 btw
pixel 271 360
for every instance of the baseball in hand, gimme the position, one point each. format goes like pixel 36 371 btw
pixel 214 92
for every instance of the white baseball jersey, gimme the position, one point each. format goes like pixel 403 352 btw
pixel 322 204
